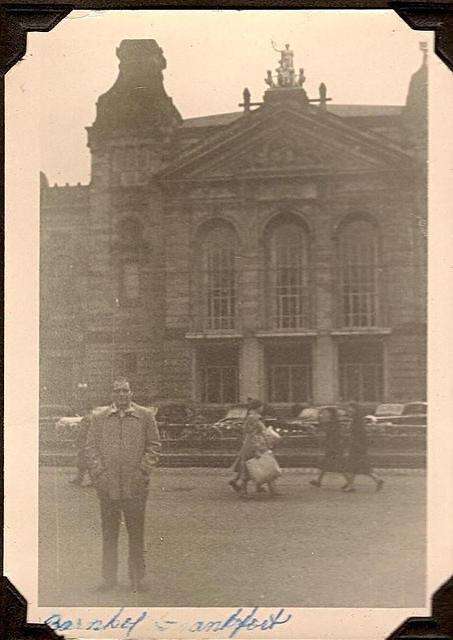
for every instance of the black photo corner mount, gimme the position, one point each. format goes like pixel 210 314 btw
pixel 16 19
pixel 13 617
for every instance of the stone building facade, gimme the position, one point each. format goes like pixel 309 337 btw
pixel 276 252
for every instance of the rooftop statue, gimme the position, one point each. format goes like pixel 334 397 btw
pixel 286 56
pixel 286 75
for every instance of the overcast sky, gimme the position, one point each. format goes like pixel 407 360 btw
pixel 364 57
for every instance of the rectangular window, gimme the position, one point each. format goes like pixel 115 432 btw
pixel 361 371
pixel 358 272
pixel 219 374
pixel 289 264
pixel 290 291
pixel 289 372
pixel 221 288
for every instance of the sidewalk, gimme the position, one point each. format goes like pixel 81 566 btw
pixel 205 547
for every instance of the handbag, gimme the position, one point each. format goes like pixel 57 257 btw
pixel 263 469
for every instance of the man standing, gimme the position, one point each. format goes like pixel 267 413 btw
pixel 122 447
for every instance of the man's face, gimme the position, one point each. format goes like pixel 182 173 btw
pixel 122 395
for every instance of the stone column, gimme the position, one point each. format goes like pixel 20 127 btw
pixel 251 370
pixel 324 350
pixel 325 370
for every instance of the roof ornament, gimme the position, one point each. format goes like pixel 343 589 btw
pixel 287 78
pixel 323 99
pixel 247 101
pixel 286 75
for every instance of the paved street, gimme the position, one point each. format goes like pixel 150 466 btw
pixel 205 547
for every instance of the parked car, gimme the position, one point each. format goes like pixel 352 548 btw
pixel 230 426
pixel 58 422
pixel 307 422
pixel 172 419
pixel 400 417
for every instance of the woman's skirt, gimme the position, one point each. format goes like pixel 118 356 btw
pixel 332 461
pixel 358 463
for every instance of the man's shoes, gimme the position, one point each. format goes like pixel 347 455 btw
pixel 315 483
pixel 106 587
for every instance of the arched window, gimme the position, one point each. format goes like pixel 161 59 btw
pixel 289 276
pixel 219 277
pixel 358 272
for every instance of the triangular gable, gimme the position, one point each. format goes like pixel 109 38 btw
pixel 280 140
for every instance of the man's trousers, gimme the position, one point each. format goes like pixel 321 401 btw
pixel 133 511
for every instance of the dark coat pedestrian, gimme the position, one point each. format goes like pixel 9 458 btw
pixel 333 458
pixel 358 461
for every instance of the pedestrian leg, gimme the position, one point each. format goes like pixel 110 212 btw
pixel 349 486
pixel 234 482
pixel 110 520
pixel 378 481
pixel 244 478
pixel 273 489
pixel 134 515
pixel 318 481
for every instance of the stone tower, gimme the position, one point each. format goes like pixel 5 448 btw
pixel 129 142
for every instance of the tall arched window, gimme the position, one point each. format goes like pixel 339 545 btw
pixel 289 276
pixel 358 272
pixel 219 277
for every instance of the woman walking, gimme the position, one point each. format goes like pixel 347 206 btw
pixel 333 460
pixel 255 443
pixel 358 461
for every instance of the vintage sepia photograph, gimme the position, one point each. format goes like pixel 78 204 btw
pixel 233 277
pixel 233 335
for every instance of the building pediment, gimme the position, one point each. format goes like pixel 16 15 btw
pixel 281 141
